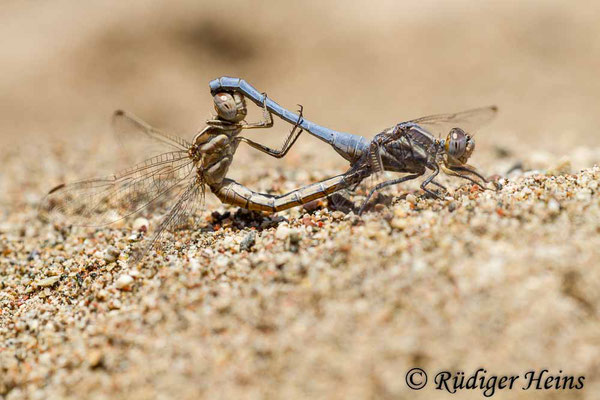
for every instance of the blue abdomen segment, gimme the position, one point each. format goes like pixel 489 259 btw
pixel 349 146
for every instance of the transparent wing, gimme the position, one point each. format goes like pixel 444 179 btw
pixel 358 197
pixel 469 121
pixel 189 199
pixel 370 187
pixel 100 201
pixel 140 139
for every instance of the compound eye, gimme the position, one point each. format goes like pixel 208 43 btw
pixel 470 145
pixel 225 106
pixel 456 142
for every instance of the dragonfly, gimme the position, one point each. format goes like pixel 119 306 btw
pixel 412 147
pixel 185 172
pixel 179 176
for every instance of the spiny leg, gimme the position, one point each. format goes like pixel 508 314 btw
pixel 267 121
pixel 384 184
pixel 430 178
pixel 439 185
pixel 287 145
pixel 455 169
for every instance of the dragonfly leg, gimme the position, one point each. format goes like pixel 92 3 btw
pixel 439 185
pixel 384 184
pixel 430 178
pixel 467 177
pixel 287 145
pixel 267 121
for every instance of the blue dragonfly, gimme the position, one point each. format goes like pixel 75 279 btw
pixel 412 147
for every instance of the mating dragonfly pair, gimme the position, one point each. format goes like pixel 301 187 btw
pixel 187 169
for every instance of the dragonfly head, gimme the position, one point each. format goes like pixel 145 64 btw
pixel 459 145
pixel 230 106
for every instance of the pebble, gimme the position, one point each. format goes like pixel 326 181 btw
pixel 337 215
pixel 111 254
pixel 222 261
pixel 102 295
pixel 228 242
pixel 282 232
pixel 95 358
pixel 33 325
pixel 307 221
pixel 114 304
pixel 411 198
pixel 295 236
pixel 399 223
pixel 553 207
pixel 124 282
pixel 248 241
pixel 48 281
pixel 141 224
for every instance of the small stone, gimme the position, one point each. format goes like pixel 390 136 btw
pixel 114 304
pixel 111 254
pixel 399 223
pixel 411 198
pixel 282 232
pixel 133 273
pixel 307 221
pixel 33 325
pixel 102 295
pixel 95 358
pixel 452 206
pixel 141 224
pixel 48 281
pixel 336 215
pixel 228 242
pixel 248 241
pixel 553 207
pixel 124 282
pixel 222 261
pixel 295 236
pixel 20 326
pixel 33 255
pixel 584 195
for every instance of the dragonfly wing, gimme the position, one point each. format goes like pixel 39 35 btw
pixel 137 137
pixel 369 192
pixel 359 198
pixel 373 189
pixel 469 121
pixel 189 199
pixel 100 201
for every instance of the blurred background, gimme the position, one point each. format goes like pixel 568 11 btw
pixel 354 66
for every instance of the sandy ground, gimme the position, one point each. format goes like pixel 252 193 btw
pixel 322 304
